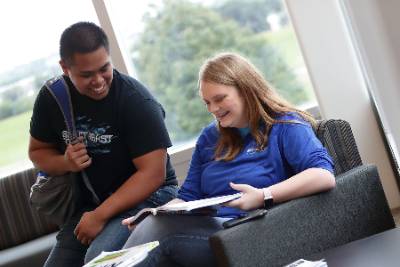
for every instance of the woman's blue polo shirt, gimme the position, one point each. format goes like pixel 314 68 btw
pixel 292 147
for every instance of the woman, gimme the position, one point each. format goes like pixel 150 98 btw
pixel 259 145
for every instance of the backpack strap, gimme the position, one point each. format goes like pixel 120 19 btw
pixel 59 89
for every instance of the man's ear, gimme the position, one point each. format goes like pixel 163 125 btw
pixel 64 67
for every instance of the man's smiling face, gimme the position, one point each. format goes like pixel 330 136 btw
pixel 91 73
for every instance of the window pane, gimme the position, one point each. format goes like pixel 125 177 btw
pixel 167 41
pixel 29 56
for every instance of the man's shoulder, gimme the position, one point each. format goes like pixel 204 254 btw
pixel 44 97
pixel 131 87
pixel 124 79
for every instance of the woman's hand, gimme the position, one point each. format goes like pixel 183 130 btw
pixel 128 223
pixel 252 198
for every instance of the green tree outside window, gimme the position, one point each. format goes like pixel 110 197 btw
pixel 180 35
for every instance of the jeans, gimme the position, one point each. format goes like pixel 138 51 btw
pixel 183 239
pixel 68 251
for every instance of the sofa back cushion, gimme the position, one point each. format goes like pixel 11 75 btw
pixel 337 137
pixel 20 223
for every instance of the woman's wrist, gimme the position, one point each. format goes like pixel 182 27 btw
pixel 268 198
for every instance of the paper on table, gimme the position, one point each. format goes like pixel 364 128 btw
pixel 305 263
pixel 124 257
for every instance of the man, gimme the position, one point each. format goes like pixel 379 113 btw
pixel 123 147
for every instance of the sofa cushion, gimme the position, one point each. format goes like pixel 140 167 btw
pixel 337 137
pixel 19 222
pixel 32 253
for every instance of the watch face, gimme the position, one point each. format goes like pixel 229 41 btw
pixel 268 203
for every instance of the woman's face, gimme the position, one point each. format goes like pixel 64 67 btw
pixel 225 103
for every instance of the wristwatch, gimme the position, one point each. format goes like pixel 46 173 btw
pixel 268 199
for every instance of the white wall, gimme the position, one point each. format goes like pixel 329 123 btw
pixel 338 80
pixel 375 27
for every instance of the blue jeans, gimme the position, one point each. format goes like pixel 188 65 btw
pixel 183 239
pixel 68 251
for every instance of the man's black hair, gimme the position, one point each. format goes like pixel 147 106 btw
pixel 82 37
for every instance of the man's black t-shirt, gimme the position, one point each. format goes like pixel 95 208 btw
pixel 126 124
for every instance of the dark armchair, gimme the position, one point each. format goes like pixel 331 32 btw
pixel 355 209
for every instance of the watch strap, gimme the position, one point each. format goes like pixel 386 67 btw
pixel 268 198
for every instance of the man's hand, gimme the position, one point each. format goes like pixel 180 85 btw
pixel 89 227
pixel 252 198
pixel 76 156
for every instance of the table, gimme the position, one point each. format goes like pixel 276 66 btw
pixel 379 250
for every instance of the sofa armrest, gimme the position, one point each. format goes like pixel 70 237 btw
pixel 354 209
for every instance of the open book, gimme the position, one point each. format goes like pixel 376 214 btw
pixel 195 207
pixel 124 257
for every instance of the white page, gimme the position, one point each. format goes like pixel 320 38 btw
pixel 195 204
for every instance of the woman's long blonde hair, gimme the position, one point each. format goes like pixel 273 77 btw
pixel 262 103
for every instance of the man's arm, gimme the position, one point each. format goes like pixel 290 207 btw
pixel 47 158
pixel 150 175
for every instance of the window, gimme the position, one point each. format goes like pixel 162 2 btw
pixel 167 41
pixel 29 56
